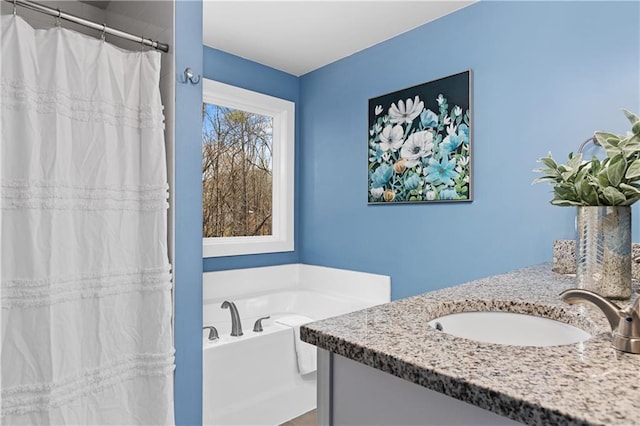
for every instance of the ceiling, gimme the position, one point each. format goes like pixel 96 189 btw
pixel 97 3
pixel 300 36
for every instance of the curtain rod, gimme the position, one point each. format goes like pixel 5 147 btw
pixel 87 23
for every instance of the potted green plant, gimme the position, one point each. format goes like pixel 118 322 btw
pixel 603 191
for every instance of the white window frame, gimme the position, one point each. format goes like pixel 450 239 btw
pixel 283 113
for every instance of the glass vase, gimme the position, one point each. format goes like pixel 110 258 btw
pixel 603 250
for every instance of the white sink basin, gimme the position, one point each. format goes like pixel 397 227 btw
pixel 508 328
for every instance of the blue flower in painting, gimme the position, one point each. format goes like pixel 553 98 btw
pixel 376 154
pixel 442 171
pixel 412 182
pixel 464 130
pixel 428 118
pixel 448 194
pixel 381 176
pixel 451 142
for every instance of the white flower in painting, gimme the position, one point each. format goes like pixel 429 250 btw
pixel 377 192
pixel 391 138
pixel 457 111
pixel 378 109
pixel 447 120
pixel 405 113
pixel 451 129
pixel 440 99
pixel 462 163
pixel 417 145
pixel 377 128
pixel 431 195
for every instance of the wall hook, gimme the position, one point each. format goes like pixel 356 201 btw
pixel 190 77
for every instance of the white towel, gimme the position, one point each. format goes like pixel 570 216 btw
pixel 306 353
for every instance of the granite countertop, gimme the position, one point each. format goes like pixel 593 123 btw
pixel 582 383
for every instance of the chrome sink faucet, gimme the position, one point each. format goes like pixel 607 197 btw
pixel 236 325
pixel 625 323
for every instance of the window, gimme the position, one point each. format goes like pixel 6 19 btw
pixel 247 171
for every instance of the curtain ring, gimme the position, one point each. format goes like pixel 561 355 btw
pixel 15 12
pixel 58 18
pixel 104 28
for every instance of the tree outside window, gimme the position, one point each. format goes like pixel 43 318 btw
pixel 237 172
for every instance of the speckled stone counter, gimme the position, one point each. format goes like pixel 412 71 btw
pixel 582 383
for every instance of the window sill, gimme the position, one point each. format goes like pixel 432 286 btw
pixel 237 246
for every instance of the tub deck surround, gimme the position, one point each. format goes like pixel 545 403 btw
pixel 582 383
pixel 254 378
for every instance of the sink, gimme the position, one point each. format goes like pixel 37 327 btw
pixel 507 328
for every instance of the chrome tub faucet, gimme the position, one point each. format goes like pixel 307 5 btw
pixel 625 323
pixel 236 325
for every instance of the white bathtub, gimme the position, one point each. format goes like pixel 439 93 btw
pixel 254 379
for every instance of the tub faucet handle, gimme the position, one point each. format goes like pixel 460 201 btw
pixel 257 327
pixel 213 333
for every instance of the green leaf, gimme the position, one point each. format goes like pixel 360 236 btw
pixel 631 199
pixel 633 119
pixel 613 196
pixel 609 142
pixel 574 162
pixel 631 146
pixel 615 171
pixel 543 179
pixel 548 172
pixel 548 161
pixel 578 187
pixel 565 203
pixel 633 172
pixel 629 189
pixel 595 165
pixel 565 193
pixel 567 176
pixel 607 138
pixel 603 179
pixel 589 195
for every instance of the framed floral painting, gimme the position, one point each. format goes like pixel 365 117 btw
pixel 420 143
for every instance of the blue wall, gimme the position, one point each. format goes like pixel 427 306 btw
pixel 236 71
pixel 188 217
pixel 545 76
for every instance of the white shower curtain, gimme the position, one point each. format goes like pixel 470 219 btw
pixel 86 282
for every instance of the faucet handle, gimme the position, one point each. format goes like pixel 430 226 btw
pixel 257 327
pixel 625 323
pixel 213 332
